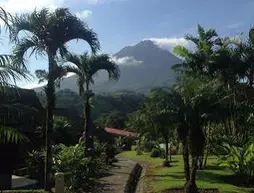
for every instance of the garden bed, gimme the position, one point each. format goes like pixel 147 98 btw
pixel 180 190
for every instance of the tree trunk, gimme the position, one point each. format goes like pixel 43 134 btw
pixel 89 149
pixel 50 94
pixel 251 78
pixel 191 186
pixel 170 153
pixel 166 148
pixel 206 157
pixel 186 159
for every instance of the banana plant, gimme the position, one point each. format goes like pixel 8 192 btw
pixel 239 159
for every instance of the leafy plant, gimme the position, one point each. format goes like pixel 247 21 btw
pixel 61 131
pixel 10 135
pixel 156 152
pixel 35 165
pixel 79 170
pixel 240 160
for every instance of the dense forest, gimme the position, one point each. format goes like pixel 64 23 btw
pixel 109 110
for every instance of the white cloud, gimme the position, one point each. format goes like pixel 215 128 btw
pixel 170 43
pixel 33 85
pixel 83 15
pixel 234 25
pixel 36 85
pixel 20 6
pixel 126 61
pixel 96 2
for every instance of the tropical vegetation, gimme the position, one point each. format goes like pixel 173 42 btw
pixel 206 115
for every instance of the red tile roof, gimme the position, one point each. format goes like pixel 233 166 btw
pixel 120 132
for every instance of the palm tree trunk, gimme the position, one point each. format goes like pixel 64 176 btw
pixel 88 126
pixel 186 159
pixel 50 93
pixel 166 147
pixel 191 186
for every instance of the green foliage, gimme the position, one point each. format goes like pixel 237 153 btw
pixel 35 165
pixel 10 135
pixel 86 67
pixel 147 146
pixel 156 152
pixel 62 131
pixel 240 160
pixel 80 171
pixel 139 150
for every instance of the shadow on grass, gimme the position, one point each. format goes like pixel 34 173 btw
pixel 223 179
pixel 214 167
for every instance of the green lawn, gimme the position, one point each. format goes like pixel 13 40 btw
pixel 160 178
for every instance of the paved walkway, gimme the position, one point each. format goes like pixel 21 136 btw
pixel 112 182
pixel 20 182
pixel 115 180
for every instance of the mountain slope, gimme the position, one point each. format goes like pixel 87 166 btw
pixel 143 66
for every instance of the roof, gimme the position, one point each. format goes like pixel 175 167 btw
pixel 26 97
pixel 120 132
pixel 19 106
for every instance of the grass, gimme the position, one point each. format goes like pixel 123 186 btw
pixel 159 178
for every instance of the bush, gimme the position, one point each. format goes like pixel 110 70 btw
pixel 80 171
pixel 149 145
pixel 62 131
pixel 156 152
pixel 139 150
pixel 240 160
pixel 35 165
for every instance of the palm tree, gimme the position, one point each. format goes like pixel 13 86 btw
pixel 246 52
pixel 86 67
pixel 195 103
pixel 48 33
pixel 199 60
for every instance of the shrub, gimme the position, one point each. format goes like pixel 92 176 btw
pixel 156 152
pixel 35 165
pixel 139 150
pixel 149 145
pixel 80 171
pixel 240 160
pixel 62 131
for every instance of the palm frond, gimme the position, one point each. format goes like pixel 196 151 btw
pixel 11 72
pixel 182 51
pixel 10 135
pixel 42 75
pixel 104 62
pixel 70 27
pixel 23 46
pixel 251 36
pixel 6 18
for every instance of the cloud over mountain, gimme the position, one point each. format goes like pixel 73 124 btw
pixel 127 61
pixel 170 43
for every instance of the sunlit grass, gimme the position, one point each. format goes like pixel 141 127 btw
pixel 161 178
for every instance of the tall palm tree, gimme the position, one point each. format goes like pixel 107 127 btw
pixel 48 33
pixel 86 67
pixel 195 103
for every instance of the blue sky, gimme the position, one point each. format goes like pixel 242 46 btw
pixel 125 22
